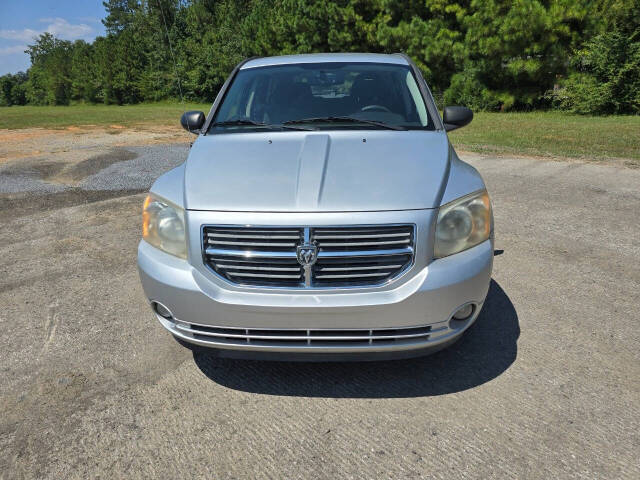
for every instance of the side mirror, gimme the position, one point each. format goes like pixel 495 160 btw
pixel 192 121
pixel 456 117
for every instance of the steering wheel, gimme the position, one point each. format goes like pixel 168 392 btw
pixel 375 108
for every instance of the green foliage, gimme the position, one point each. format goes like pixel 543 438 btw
pixel 580 55
pixel 50 73
pixel 83 73
pixel 13 89
pixel 607 69
pixel 519 47
pixel 467 89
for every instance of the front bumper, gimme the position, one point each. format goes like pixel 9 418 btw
pixel 316 324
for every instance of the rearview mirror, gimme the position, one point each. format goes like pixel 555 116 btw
pixel 456 117
pixel 192 121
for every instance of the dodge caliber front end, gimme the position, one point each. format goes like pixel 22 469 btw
pixel 322 215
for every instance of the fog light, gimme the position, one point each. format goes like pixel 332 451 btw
pixel 464 313
pixel 162 310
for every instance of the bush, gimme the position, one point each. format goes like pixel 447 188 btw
pixel 12 89
pixel 608 81
pixel 467 90
pixel 606 78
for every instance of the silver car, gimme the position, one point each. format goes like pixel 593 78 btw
pixel 322 214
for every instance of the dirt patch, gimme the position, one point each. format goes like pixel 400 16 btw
pixel 33 168
pixel 19 144
pixel 96 163
pixel 478 151
pixel 70 171
pixel 24 204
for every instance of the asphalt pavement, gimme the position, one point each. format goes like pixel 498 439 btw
pixel 546 384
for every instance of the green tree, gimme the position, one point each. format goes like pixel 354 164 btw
pixel 606 76
pixel 83 72
pixel 19 89
pixel 430 32
pixel 513 51
pixel 120 15
pixel 12 89
pixel 50 73
pixel 487 54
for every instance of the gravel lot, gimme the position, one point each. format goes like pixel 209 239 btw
pixel 545 385
pixel 120 168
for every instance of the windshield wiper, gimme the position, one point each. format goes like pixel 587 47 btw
pixel 344 119
pixel 233 123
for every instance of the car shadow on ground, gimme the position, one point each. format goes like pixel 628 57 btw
pixel 487 349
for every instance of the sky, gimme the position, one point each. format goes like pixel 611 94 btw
pixel 20 21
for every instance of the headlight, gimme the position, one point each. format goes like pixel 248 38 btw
pixel 163 226
pixel 462 224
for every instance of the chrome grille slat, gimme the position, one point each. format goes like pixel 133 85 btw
pixel 366 253
pixel 350 256
pixel 249 253
pixel 306 336
pixel 255 244
pixel 270 237
pixel 362 244
pixel 244 230
pixel 340 269
pixel 375 232
pixel 245 267
pixel 339 237
pixel 255 261
pixel 356 275
pixel 260 275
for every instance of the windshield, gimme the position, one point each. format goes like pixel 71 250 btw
pixel 323 96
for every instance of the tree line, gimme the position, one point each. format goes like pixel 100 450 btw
pixel 581 56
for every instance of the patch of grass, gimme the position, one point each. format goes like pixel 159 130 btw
pixel 100 115
pixel 551 134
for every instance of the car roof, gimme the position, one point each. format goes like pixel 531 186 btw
pixel 326 58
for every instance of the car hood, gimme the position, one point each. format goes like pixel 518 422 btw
pixel 317 171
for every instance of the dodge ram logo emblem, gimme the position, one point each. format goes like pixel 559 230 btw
pixel 307 254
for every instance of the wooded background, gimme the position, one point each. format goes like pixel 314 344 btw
pixel 581 56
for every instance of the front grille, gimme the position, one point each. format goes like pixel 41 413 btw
pixel 346 256
pixel 255 256
pixel 301 338
pixel 361 255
